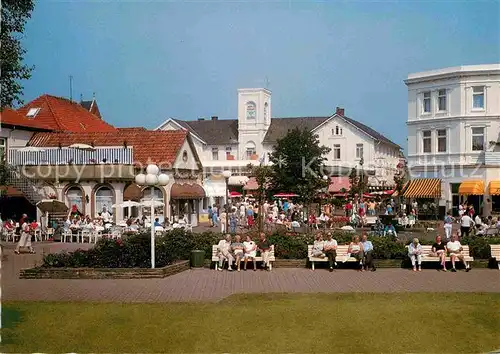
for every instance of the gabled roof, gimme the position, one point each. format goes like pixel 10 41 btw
pixel 157 146
pixel 213 132
pixel 9 117
pixel 61 114
pixel 280 126
pixel 225 131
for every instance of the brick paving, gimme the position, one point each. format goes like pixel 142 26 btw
pixel 210 285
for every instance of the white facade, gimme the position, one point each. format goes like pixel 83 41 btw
pixel 453 124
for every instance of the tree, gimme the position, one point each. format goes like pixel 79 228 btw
pixel 358 181
pixel 262 175
pixel 15 13
pixel 298 165
pixel 401 176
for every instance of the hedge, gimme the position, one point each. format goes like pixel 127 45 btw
pixel 134 251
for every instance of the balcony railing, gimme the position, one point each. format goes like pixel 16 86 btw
pixel 64 156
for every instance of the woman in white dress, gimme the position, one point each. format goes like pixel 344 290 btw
pixel 250 252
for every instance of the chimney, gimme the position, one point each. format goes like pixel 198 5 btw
pixel 215 118
pixel 340 111
pixel 201 118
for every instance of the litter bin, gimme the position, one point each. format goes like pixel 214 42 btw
pixel 197 259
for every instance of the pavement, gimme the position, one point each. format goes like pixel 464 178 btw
pixel 208 285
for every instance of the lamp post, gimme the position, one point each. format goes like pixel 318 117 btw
pixel 227 174
pixel 152 178
pixel 325 178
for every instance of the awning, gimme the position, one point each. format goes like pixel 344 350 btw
pixel 494 188
pixel 10 191
pixel 215 189
pixel 237 180
pixel 132 192
pixel 472 187
pixel 337 184
pixel 423 188
pixel 187 191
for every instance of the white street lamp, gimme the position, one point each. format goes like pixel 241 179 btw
pixel 227 174
pixel 152 178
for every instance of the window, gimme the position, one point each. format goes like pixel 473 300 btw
pixel 336 151
pixel 359 151
pixel 250 152
pixel 228 150
pixel 337 131
pixel 74 196
pixel 477 139
pixel 215 153
pixel 32 112
pixel 266 108
pixel 3 148
pixel 103 200
pixel 427 102
pixel 442 100
pixel 426 141
pixel 478 97
pixel 441 137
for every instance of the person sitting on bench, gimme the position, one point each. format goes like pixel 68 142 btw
pixel 224 248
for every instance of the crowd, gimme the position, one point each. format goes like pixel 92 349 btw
pixel 235 251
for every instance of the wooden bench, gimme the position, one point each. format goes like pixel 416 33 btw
pixel 341 255
pixel 427 249
pixel 215 257
pixel 495 253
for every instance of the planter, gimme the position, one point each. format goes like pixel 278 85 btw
pixel 103 273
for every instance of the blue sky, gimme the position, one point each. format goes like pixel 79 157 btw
pixel 147 61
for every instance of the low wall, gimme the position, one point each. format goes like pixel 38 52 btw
pixel 103 273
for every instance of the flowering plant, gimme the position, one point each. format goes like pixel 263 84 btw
pixel 52 196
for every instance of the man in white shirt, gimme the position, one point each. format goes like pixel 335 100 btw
pixel 224 248
pixel 106 216
pixel 465 225
pixel 455 249
pixel 330 249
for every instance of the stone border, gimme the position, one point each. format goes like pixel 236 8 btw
pixel 103 273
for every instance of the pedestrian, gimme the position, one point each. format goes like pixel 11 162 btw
pixel 25 239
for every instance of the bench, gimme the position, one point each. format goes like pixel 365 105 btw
pixel 215 257
pixel 341 255
pixel 427 249
pixel 495 253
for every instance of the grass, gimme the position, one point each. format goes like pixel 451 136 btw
pixel 272 323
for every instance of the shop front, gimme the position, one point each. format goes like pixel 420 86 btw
pixel 185 202
pixel 426 192
pixel 472 193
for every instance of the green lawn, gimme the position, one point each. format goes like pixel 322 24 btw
pixel 274 323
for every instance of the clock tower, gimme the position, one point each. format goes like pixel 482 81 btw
pixel 254 118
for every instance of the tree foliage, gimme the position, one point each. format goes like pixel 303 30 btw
pixel 262 175
pixel 359 182
pixel 298 165
pixel 15 13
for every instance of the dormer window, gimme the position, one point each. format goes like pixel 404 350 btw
pixel 32 112
pixel 337 131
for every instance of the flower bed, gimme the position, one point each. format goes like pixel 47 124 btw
pixel 134 251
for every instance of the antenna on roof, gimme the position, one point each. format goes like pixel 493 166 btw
pixel 71 88
pixel 267 82
pixel 81 97
pixel 93 96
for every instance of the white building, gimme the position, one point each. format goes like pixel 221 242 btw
pixel 234 143
pixel 453 134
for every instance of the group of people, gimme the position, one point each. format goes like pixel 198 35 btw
pixel 25 229
pixel 453 249
pixel 235 251
pixel 361 250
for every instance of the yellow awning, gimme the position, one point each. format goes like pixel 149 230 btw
pixel 423 188
pixel 472 187
pixel 494 188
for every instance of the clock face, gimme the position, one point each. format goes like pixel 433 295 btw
pixel 251 110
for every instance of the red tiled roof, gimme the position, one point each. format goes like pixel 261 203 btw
pixel 61 114
pixel 157 146
pixel 11 117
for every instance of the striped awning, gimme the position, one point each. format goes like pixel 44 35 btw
pixel 423 188
pixel 472 187
pixel 494 188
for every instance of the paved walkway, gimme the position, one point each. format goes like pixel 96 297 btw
pixel 210 285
